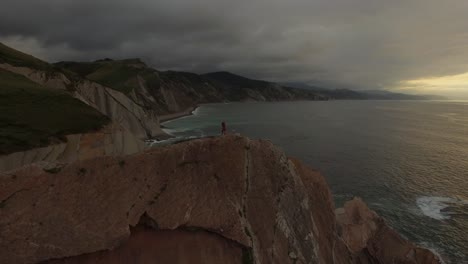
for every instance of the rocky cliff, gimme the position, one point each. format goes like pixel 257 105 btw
pixel 128 92
pixel 220 200
pixel 130 123
pixel 371 240
pixel 112 140
pixel 170 92
pixel 143 123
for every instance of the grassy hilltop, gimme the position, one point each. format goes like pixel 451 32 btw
pixel 120 75
pixel 34 116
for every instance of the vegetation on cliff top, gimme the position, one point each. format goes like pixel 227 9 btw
pixel 34 116
pixel 20 59
pixel 119 75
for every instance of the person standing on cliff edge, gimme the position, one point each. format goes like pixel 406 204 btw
pixel 223 128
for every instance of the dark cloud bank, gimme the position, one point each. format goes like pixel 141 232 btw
pixel 363 44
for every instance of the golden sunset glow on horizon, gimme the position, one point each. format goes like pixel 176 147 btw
pixel 451 84
pixel 459 81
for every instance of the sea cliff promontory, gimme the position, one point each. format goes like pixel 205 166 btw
pixel 79 185
pixel 225 199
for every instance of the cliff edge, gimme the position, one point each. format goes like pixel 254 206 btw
pixel 217 200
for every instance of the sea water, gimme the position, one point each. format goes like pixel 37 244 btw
pixel 407 159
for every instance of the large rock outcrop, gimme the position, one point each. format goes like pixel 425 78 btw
pixel 220 200
pixel 372 241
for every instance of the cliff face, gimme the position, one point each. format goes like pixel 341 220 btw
pixel 221 200
pixel 112 140
pixel 118 107
pixel 239 88
pixel 143 123
pixel 169 92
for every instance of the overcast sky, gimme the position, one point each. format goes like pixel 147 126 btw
pixel 403 45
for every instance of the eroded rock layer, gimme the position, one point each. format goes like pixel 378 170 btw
pixel 233 197
pixel 112 140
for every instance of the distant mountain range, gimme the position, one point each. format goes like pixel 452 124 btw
pixel 362 94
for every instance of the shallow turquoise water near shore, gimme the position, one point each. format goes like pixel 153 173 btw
pixel 407 159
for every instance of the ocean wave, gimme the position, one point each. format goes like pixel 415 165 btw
pixel 174 131
pixel 440 208
pixel 169 141
pixel 196 111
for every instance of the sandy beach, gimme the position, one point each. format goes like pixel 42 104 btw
pixel 188 111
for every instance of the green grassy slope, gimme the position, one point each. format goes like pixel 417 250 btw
pixel 33 116
pixel 118 75
pixel 17 58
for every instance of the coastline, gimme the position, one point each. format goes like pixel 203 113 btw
pixel 168 117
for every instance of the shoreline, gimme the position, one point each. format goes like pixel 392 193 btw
pixel 169 117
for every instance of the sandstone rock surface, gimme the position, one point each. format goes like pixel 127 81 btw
pixel 217 200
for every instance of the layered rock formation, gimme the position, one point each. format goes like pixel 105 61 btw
pixel 112 140
pixel 131 122
pixel 220 200
pixel 168 92
pixel 143 123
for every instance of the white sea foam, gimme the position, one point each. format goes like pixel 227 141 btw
pixel 170 131
pixel 195 112
pixel 433 206
pixel 169 141
pixel 173 131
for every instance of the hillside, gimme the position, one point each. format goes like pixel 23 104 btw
pixel 118 75
pixel 239 88
pixel 34 116
pixel 18 58
pixel 41 104
pixel 164 92
pixel 170 91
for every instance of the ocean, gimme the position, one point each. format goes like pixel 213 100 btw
pixel 407 159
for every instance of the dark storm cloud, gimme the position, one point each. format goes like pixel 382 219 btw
pixel 356 43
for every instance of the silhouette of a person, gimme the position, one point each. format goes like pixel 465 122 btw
pixel 223 128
